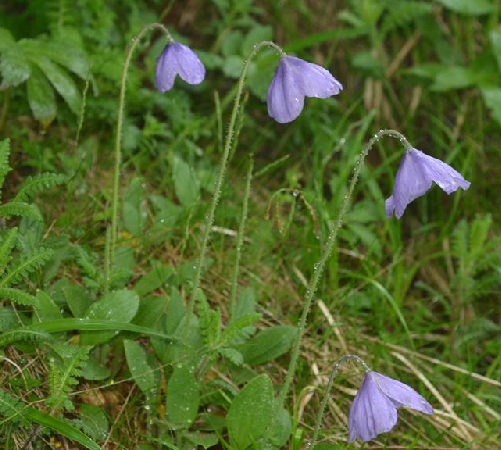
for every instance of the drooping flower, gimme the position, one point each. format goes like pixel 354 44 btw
pixel 374 410
pixel 178 59
pixel 415 176
pixel 293 80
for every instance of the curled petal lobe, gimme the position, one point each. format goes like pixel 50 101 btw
pixel 295 79
pixel 374 410
pixel 402 395
pixel 371 413
pixel 416 174
pixel 178 59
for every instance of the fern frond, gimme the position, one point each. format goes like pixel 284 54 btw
pixel 9 337
pixel 6 247
pixel 479 231
pixel 85 262
pixel 11 408
pixel 63 375
pixel 35 184
pixel 25 267
pixel 460 240
pixel 20 209
pixel 59 13
pixel 17 296
pixel 210 321
pixel 4 160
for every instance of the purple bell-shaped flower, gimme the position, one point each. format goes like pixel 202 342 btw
pixel 295 79
pixel 374 410
pixel 417 172
pixel 178 59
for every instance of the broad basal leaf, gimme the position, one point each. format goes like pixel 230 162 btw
pixel 41 97
pixel 251 413
pixel 119 306
pixel 183 397
pixel 468 7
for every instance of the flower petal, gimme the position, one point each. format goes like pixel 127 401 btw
pixel 178 59
pixel 389 206
pixel 441 173
pixel 371 413
pixel 293 80
pixel 313 80
pixel 410 183
pixel 285 101
pixel 400 394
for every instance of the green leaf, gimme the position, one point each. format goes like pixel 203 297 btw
pixel 251 413
pixel 78 299
pixel 154 279
pixel 185 183
pixel 41 97
pixel 62 427
pixel 453 77
pixel 204 440
pixel 232 66
pixel 61 81
pixel 94 370
pixel 235 328
pixel 14 67
pixel 6 39
pixel 120 306
pixel 17 296
pixel 20 209
pixel 134 212
pixel 150 311
pixel 94 420
pixel 268 344
pixel 492 99
pixel 13 409
pixel 255 36
pixel 495 37
pixel 64 54
pixel 281 428
pixel 175 311
pixel 46 308
pixel 4 160
pixel 468 7
pixel 183 397
pixel 232 355
pixel 35 184
pixel 138 366
pixel 24 267
pixel 232 43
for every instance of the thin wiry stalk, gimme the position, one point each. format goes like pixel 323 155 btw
pixel 219 183
pixel 333 374
pixel 118 137
pixel 240 238
pixel 320 265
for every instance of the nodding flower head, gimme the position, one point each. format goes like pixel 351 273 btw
pixel 293 80
pixel 178 59
pixel 415 176
pixel 374 410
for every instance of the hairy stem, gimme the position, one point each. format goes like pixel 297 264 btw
pixel 240 239
pixel 219 183
pixel 333 374
pixel 320 265
pixel 118 138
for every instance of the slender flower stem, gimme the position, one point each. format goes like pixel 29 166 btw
pixel 333 374
pixel 118 138
pixel 220 178
pixel 319 267
pixel 240 238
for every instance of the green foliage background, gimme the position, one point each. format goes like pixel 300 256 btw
pixel 102 361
